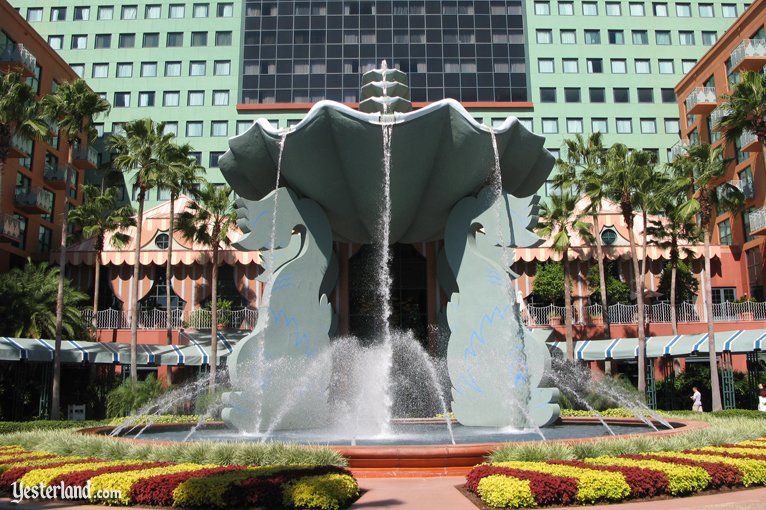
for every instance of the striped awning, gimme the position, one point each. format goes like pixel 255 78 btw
pixel 739 341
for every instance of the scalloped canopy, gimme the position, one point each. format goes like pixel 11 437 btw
pixel 439 154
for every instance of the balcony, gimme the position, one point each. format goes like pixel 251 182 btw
pixel 10 228
pixel 55 177
pixel 758 221
pixel 717 116
pixel 85 158
pixel 14 57
pixel 749 142
pixel 20 147
pixel 679 149
pixel 749 55
pixel 701 101
pixel 34 201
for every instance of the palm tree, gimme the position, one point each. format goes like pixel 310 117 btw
pixel 699 173
pixel 146 149
pixel 19 114
pixel 182 176
pixel 208 221
pixel 559 221
pixel 97 216
pixel 73 107
pixel 745 108
pixel 626 170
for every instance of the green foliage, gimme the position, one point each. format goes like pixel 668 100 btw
pixel 161 419
pixel 73 105
pixel 8 427
pixel 28 303
pixel 500 491
pixel 129 397
pixel 209 491
pixel 745 107
pixel 698 375
pixel 686 284
pixel 19 112
pixel 324 492
pixel 99 215
pixel 549 282
pixel 682 479
pixel 617 291
pixel 615 412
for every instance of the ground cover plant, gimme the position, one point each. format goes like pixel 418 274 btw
pixel 180 483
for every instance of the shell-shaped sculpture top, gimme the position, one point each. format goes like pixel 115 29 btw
pixel 439 155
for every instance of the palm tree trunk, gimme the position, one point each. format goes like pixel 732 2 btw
pixel 169 271
pixel 96 285
pixel 214 320
pixel 134 289
pixel 643 247
pixel 56 389
pixel 568 307
pixel 640 305
pixel 673 317
pixel 602 279
pixel 715 387
pixel 2 180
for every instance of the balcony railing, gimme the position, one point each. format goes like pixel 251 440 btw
pixel 20 146
pixel 748 142
pixel 17 57
pixel 717 116
pixel 749 55
pixel 10 228
pixel 34 201
pixel 679 149
pixel 244 318
pixel 757 220
pixel 85 158
pixel 701 100
pixel 56 177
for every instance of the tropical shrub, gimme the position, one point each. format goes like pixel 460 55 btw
pixel 548 286
pixel 505 492
pixel 323 492
pixel 129 397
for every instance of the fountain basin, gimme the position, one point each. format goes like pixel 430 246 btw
pixel 421 452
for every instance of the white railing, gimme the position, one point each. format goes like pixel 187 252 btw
pixel 718 115
pixel 539 316
pixel 757 219
pixel 746 138
pixel 244 318
pixel 748 48
pixel 700 95
pixel 679 148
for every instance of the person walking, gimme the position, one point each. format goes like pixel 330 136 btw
pixel 696 400
pixel 761 398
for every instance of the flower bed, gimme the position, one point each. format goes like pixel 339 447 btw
pixel 522 484
pixel 182 484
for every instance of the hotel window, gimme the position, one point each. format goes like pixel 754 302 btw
pixel 683 10
pixel 227 10
pixel 171 128
pixel 637 9
pixel 672 126
pixel 527 123
pixel 643 66
pixel 569 65
pixel 544 36
pixel 244 125
pixel 79 69
pixel 648 126
pixel 100 71
pixel 613 9
pixel 214 157
pixel 124 70
pixel 79 42
pixel 175 39
pixel 663 38
pixel 590 9
pixel 129 12
pixel 126 41
pixel 34 14
pixel 668 95
pixel 81 13
pixel 645 95
pixel 44 240
pixel 103 41
pixel 746 226
pixel 686 38
pixel 595 65
pixel 220 98
pixel 566 8
pixel 706 10
pixel 58 13
pixel 597 94
pixel 121 100
pixel 194 128
pixel 146 98
pixel 746 182
pixel 550 126
pixel 153 12
pixel 616 37
pixel 201 10
pixel 176 11
pixel 547 95
pixel 196 98
pixel 724 233
pixel 729 10
pixel 709 38
pixel 568 37
pixel 105 13
pixel 172 68
pixel 197 68
pixel 198 39
pixel 222 68
pixel 224 39
pixel 151 40
pixel 542 8
pixel 619 66
pixel 640 37
pixel 593 37
pixel 574 126
pixel 545 65
pixel 621 95
pixel 660 9
pixel 666 66
pixel 171 98
pixel 219 128
pixel 624 126
pixel 686 65
pixel 599 126
pixel 572 95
